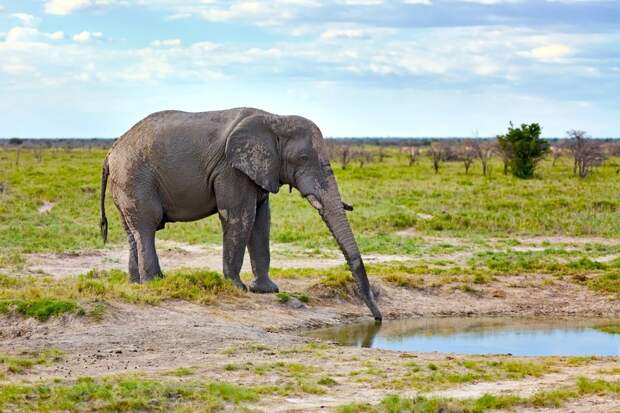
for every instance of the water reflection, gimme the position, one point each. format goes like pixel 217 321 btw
pixel 538 337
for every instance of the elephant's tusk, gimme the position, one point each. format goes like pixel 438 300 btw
pixel 314 202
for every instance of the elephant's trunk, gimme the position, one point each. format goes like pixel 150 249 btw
pixel 331 209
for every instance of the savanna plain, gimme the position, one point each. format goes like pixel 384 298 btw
pixel 76 336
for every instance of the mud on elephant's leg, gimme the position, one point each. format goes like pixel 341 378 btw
pixel 237 218
pixel 134 272
pixel 259 251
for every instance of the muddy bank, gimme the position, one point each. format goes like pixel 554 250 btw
pixel 241 340
pixel 156 337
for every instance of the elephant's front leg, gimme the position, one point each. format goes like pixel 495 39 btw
pixel 259 250
pixel 237 211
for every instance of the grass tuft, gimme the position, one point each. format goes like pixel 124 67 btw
pixel 41 309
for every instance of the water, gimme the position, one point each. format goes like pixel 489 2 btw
pixel 519 337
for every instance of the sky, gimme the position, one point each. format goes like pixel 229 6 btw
pixel 428 68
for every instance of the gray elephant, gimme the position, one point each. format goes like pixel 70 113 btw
pixel 177 166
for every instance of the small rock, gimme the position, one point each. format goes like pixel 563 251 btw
pixel 46 207
pixel 295 303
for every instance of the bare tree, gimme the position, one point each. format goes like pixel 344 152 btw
pixel 381 154
pixel 437 153
pixel 484 150
pixel 587 153
pixel 414 153
pixel 556 152
pixel 504 154
pixel 361 155
pixel 345 155
pixel 466 154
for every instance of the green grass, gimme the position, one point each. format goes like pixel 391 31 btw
pixel 446 374
pixel 41 308
pixel 181 372
pixel 609 328
pixel 22 362
pixel 198 286
pixel 284 297
pixel 125 393
pixel 609 283
pixel 387 197
pixel 45 297
pixel 488 402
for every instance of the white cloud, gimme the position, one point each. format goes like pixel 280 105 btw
pixel 64 7
pixel 423 2
pixel 57 36
pixel 363 2
pixel 86 36
pixel 553 51
pixel 486 69
pixel 24 35
pixel 491 2
pixel 166 43
pixel 16 69
pixel 25 18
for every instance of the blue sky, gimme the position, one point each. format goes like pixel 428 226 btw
pixel 84 68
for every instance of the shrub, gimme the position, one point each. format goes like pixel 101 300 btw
pixel 525 148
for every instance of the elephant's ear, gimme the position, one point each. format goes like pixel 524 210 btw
pixel 252 148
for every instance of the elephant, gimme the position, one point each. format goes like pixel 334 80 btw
pixel 175 166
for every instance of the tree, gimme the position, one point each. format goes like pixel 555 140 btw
pixel 556 152
pixel 484 151
pixel 414 153
pixel 466 154
pixel 345 155
pixel 524 148
pixel 437 153
pixel 504 154
pixel 586 152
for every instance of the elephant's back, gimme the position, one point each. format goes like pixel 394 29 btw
pixel 177 128
pixel 174 135
pixel 176 153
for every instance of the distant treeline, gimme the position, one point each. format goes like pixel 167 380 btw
pixel 358 141
pixel 426 141
pixel 58 142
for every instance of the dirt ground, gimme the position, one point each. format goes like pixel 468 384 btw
pixel 259 329
pixel 174 255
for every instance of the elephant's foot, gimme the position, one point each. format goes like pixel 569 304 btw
pixel 240 285
pixel 264 286
pixel 151 277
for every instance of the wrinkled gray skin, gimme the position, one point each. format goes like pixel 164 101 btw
pixel 177 166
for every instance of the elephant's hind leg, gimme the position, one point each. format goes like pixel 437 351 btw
pixel 134 271
pixel 142 221
pixel 148 263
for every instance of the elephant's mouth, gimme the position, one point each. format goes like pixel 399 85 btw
pixel 316 204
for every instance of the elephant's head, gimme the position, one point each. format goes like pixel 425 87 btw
pixel 276 150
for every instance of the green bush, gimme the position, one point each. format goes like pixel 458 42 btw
pixel 524 148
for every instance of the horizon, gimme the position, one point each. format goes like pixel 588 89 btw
pixel 325 137
pixel 428 68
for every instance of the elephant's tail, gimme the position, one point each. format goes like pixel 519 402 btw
pixel 104 183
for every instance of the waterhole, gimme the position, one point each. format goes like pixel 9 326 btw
pixel 519 337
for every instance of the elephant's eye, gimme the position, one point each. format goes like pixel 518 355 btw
pixel 303 158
